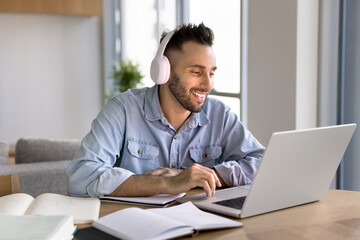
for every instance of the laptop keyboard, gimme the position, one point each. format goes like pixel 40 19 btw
pixel 236 203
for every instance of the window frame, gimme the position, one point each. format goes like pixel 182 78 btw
pixel 114 46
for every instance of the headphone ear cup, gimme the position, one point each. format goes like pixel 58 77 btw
pixel 160 70
pixel 160 65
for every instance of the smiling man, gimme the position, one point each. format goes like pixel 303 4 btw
pixel 168 138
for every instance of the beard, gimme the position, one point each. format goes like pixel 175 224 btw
pixel 183 96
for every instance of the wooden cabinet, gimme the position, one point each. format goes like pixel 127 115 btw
pixel 63 7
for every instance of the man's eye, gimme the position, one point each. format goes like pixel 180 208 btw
pixel 195 72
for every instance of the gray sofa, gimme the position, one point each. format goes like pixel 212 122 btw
pixel 41 164
pixel 4 149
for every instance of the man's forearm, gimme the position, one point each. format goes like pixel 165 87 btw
pixel 141 186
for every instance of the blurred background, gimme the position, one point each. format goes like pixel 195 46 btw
pixel 282 64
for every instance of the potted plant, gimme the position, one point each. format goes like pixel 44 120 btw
pixel 126 75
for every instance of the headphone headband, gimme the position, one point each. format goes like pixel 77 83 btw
pixel 164 43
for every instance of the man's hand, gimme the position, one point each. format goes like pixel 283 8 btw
pixel 194 176
pixel 165 180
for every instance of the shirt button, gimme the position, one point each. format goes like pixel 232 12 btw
pixel 139 151
pixel 173 165
pixel 175 137
pixel 204 155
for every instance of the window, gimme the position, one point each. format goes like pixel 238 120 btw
pixel 223 17
pixel 143 21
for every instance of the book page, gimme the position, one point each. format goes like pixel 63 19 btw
pixel 15 204
pixel 189 214
pixel 84 210
pixel 136 223
pixel 36 227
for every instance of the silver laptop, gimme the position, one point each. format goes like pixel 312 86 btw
pixel 297 168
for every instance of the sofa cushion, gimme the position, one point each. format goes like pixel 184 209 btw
pixel 38 178
pixel 45 150
pixel 4 153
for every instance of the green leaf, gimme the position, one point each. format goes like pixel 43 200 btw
pixel 126 75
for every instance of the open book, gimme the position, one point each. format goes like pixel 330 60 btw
pixel 83 210
pixel 161 223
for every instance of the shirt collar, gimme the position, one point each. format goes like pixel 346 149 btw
pixel 153 110
pixel 152 105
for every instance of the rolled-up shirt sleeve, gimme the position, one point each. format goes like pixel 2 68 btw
pixel 91 173
pixel 242 153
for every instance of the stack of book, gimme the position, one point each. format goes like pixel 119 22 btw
pixel 49 216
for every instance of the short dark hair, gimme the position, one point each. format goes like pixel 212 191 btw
pixel 189 32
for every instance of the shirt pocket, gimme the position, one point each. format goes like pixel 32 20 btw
pixel 140 157
pixel 205 156
pixel 142 150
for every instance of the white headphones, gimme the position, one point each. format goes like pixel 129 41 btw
pixel 160 65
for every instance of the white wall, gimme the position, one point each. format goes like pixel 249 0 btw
pixel 50 75
pixel 307 63
pixel 271 67
pixel 328 65
pixel 282 66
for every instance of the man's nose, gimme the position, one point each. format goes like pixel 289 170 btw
pixel 207 81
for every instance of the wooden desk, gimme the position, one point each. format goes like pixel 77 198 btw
pixel 335 217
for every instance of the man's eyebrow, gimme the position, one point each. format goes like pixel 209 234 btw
pixel 201 66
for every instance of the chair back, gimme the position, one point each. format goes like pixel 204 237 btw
pixel 9 184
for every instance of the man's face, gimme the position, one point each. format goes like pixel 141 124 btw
pixel 192 75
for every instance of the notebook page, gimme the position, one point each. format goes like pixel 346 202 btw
pixel 136 223
pixel 188 213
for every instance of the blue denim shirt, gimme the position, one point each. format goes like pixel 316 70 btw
pixel 132 136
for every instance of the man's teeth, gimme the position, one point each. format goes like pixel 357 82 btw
pixel 199 95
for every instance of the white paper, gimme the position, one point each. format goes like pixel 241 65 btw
pixel 188 213
pixel 136 223
pixel 84 210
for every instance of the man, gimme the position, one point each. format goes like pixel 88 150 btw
pixel 168 138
